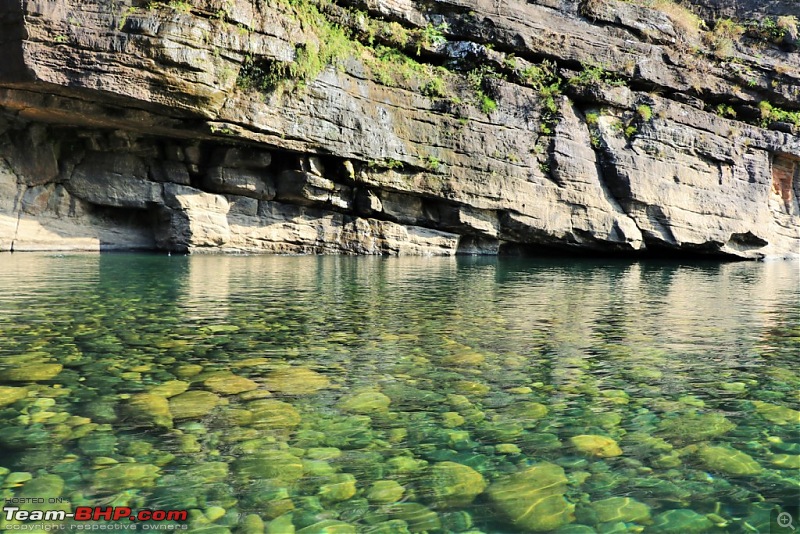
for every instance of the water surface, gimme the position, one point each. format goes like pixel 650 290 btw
pixel 336 394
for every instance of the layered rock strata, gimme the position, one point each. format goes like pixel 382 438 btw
pixel 466 126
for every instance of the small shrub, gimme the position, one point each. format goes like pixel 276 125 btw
pixel 391 67
pixel 539 76
pixel 397 34
pixel 724 36
pixel 684 19
pixel 644 112
pixel 478 80
pixel 724 110
pixel 788 24
pixel 589 7
pixel 179 5
pixel 124 17
pixel 544 78
pixel 431 36
pixel 331 46
pixel 773 30
pixel 510 62
pixel 487 103
pixel 432 163
pixel 596 74
pixel 434 88
pixel 770 113
pixel 766 112
pixel 390 164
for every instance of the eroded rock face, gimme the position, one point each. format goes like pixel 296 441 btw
pixel 126 126
pixel 745 9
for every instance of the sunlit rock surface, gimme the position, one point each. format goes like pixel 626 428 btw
pixel 204 126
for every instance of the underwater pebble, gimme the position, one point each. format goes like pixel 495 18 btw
pixel 169 389
pixel 148 410
pixel 728 460
pixel 295 381
pixel 33 372
pixel 16 478
pixel 453 485
pixel 597 446
pixel 385 492
pixel 680 521
pixel 192 404
pixel 366 402
pixel 229 384
pixel 622 509
pixel 780 415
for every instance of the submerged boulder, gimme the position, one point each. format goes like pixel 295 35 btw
pixel 339 487
pixel 295 381
pixel 681 521
pixel 694 428
pixel 453 485
pixel 729 461
pixel 268 464
pixel 774 413
pixel 125 476
pixel 147 409
pixel 598 446
pixel 192 404
pixel 385 492
pixel 365 403
pixel 271 414
pixel 33 372
pixel 10 395
pixel 621 509
pixel 533 499
pixel 229 384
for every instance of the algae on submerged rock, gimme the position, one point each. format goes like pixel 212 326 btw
pixel 693 427
pixel 149 410
pixel 192 404
pixel 597 446
pixel 729 461
pixel 621 509
pixel 453 485
pixel 533 499
pixel 295 381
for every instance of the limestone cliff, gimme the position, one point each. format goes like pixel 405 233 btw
pixel 400 127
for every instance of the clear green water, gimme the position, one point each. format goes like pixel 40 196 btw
pixel 402 372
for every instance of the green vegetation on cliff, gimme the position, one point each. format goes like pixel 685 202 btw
pixel 379 45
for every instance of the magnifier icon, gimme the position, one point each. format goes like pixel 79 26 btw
pixel 785 520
